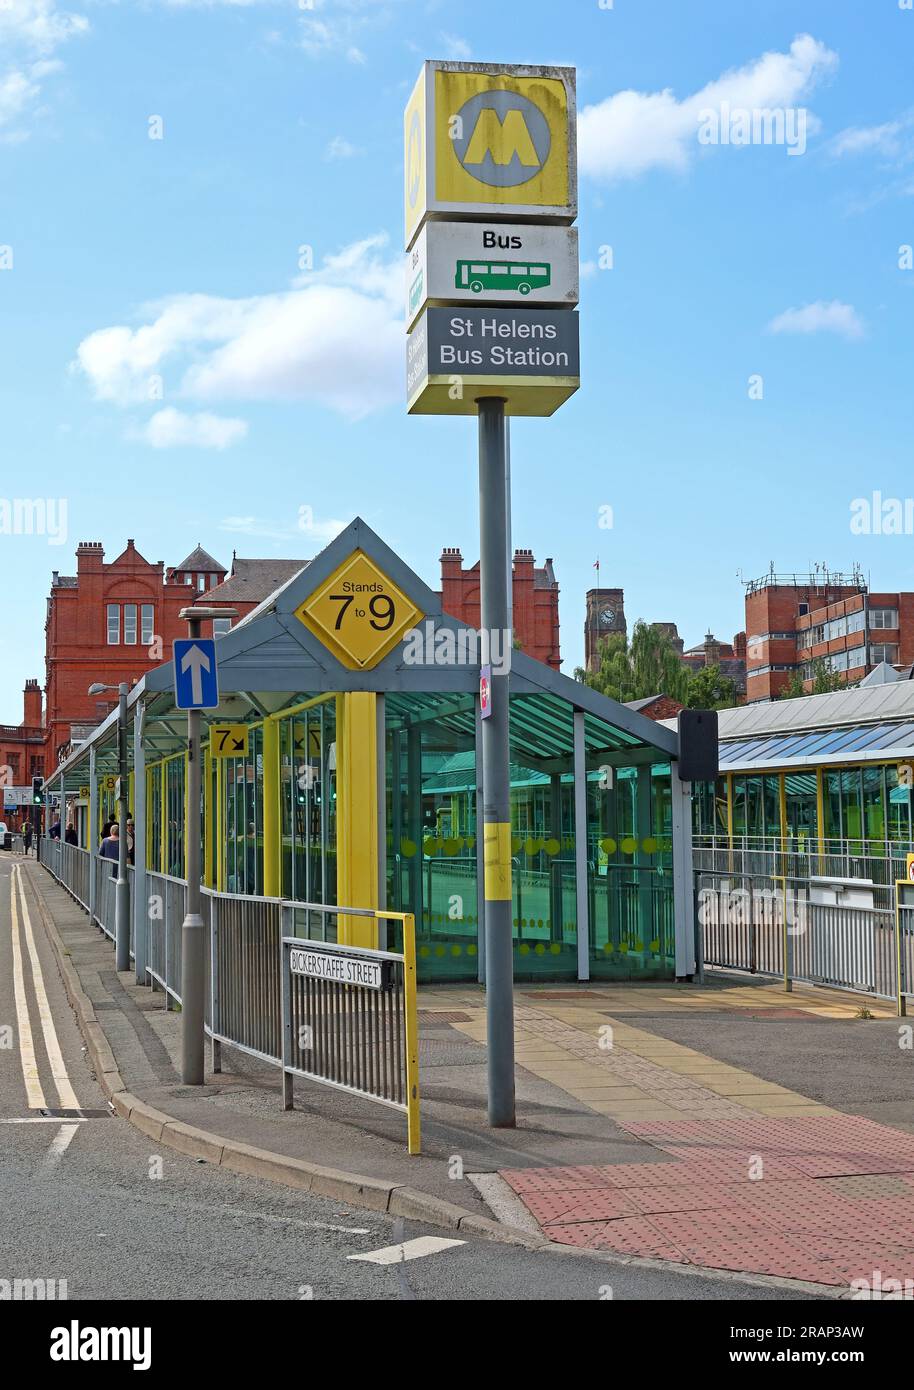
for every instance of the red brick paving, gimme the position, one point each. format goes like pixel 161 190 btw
pixel 835 1201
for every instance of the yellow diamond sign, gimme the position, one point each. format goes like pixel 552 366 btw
pixel 359 613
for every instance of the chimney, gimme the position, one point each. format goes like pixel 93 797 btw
pixel 89 557
pixel 451 562
pixel 31 705
pixel 712 650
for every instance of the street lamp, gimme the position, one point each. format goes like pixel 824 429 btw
pixel 193 991
pixel 122 888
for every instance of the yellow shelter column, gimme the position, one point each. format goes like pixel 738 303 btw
pixel 272 820
pixel 357 813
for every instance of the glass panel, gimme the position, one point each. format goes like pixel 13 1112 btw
pixel 874 803
pixel 130 624
pixel 147 632
pixel 114 624
pixel 898 806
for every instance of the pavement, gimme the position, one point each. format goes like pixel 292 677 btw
pixel 697 1137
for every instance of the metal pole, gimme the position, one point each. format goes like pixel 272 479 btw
pixel 493 568
pixel 192 959
pixel 122 887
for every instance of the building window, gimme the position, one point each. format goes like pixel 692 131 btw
pixel 201 583
pixel 114 624
pixel 221 626
pixel 188 579
pixel 13 763
pixel 130 624
pixel 884 617
pixel 148 629
pixel 883 651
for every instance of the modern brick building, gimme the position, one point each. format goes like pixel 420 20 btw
pixel 535 596
pixel 793 621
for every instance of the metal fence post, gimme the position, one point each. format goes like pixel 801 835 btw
pixel 286 1025
pixel 214 1016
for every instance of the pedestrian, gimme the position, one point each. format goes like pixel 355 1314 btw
pixel 71 836
pixel 131 842
pixel 106 830
pixel 54 831
pixel 111 848
pixel 27 836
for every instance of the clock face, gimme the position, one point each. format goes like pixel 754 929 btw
pixel 608 617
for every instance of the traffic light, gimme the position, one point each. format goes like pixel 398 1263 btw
pixel 37 794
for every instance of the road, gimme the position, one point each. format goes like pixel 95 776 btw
pixel 88 1199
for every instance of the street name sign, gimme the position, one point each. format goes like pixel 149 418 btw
pixel 228 740
pixel 491 263
pixel 196 678
pixel 359 613
pixel 484 140
pixel 530 357
pixel 342 969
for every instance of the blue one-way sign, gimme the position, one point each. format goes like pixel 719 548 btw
pixel 196 680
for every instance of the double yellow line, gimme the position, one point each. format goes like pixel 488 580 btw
pixel 33 1088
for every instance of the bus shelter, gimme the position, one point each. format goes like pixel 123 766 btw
pixel 342 767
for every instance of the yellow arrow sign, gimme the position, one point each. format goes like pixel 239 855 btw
pixel 359 613
pixel 228 740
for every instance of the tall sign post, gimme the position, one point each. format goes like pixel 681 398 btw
pixel 196 689
pixel 491 285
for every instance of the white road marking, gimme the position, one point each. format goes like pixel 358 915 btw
pixel 34 1093
pixel 65 1091
pixel 347 1230
pixel 503 1202
pixel 407 1250
pixel 59 1145
pixel 46 1120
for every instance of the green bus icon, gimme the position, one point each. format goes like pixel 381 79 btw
pixel 521 276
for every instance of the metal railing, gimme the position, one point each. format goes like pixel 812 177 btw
pixel 765 924
pixel 882 862
pixel 70 865
pixel 349 1018
pixel 358 1033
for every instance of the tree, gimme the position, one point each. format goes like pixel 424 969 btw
pixel 708 689
pixel 824 681
pixel 648 665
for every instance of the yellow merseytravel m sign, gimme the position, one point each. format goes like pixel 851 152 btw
pixel 359 614
pixel 482 139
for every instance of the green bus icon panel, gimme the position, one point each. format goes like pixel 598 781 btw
pixel 521 276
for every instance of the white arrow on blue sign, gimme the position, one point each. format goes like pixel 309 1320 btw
pixel 196 678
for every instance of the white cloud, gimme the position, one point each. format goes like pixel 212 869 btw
pixel 820 317
pixel 335 338
pixel 30 32
pixel 891 140
pixel 631 132
pixel 456 47
pixel 258 527
pixel 38 24
pixel 341 148
pixel 170 428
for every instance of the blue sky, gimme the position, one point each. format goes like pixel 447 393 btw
pixel 178 258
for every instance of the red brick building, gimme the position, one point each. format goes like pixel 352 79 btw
pixel 535 598
pixel 794 621
pixel 21 752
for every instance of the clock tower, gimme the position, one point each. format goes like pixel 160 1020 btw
pixel 605 616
